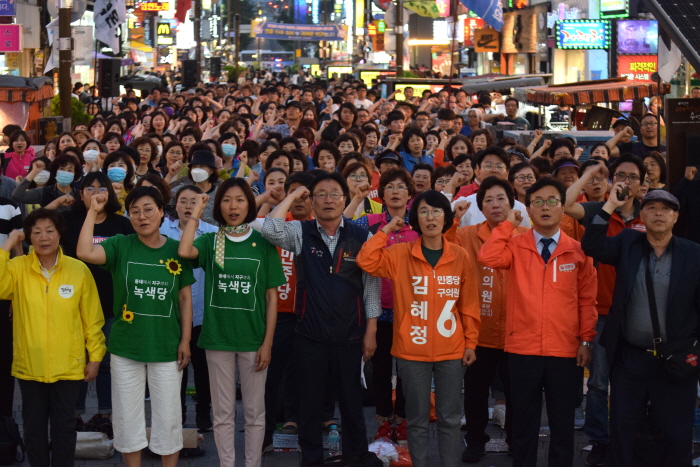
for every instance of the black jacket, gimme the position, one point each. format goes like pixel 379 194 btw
pixel 626 251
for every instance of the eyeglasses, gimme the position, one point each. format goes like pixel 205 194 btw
pixel 562 154
pixel 443 181
pixel 435 212
pixel 522 178
pixel 399 188
pixel 621 177
pixel 538 203
pixel 101 190
pixel 500 166
pixel 147 213
pixel 649 124
pixel 357 177
pixel 594 179
pixel 175 153
pixel 335 196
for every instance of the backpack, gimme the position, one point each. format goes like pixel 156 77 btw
pixel 10 439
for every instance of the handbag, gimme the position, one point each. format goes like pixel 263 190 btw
pixel 681 359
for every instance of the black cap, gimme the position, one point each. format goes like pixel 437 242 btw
pixel 203 157
pixel 663 196
pixel 296 104
pixel 387 156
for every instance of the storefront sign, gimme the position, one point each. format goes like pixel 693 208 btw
pixel 153 6
pixel 368 76
pixel 443 7
pixel 518 4
pixel 299 32
pixel 637 67
pixel 10 37
pixel 470 27
pixel 614 8
pixel 486 40
pixel 7 7
pixel 583 34
pixel 637 37
pixel 338 71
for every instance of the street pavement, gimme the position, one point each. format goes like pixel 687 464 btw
pixel 292 459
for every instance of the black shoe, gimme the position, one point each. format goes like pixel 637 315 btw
pixel 203 422
pixel 597 455
pixel 268 446
pixel 473 454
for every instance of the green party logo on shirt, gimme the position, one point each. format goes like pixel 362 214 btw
pixel 149 288
pixel 236 291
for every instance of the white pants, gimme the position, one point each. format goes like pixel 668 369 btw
pixel 128 413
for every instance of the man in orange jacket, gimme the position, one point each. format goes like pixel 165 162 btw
pixel 495 200
pixel 550 321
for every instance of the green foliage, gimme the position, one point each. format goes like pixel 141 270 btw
pixel 78 114
pixel 231 71
pixel 408 74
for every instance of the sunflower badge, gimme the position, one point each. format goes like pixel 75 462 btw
pixel 127 315
pixel 173 266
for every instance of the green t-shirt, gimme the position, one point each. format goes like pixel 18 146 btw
pixel 431 256
pixel 144 282
pixel 234 301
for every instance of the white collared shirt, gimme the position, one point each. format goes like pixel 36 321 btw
pixel 538 236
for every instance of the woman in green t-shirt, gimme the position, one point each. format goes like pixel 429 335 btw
pixel 242 272
pixel 153 323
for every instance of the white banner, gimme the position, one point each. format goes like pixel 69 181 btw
pixel 108 15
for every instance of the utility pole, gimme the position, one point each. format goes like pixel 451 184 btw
pixel 198 36
pixel 237 32
pixel 398 30
pixel 65 60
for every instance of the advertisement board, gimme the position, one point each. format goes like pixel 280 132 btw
pixel 582 34
pixel 637 37
pixel 637 67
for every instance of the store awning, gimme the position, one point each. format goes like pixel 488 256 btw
pixel 473 86
pixel 590 92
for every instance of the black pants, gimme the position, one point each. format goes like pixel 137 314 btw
pixel 315 364
pixel 198 357
pixel 477 381
pixel 7 382
pixel 280 389
pixel 382 372
pixel 55 403
pixel 635 379
pixel 559 377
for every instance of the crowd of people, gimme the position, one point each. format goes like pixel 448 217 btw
pixel 278 235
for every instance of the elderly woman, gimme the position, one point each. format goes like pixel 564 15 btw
pixel 58 341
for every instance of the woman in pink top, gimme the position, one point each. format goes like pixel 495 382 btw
pixel 20 155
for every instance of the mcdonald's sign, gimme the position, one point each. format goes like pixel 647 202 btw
pixel 163 29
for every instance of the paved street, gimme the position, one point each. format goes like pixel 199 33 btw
pixel 289 459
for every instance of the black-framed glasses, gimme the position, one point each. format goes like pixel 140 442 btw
pixel 538 203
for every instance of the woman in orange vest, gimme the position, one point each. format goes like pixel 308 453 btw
pixel 436 320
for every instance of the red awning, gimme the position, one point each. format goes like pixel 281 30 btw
pixel 591 92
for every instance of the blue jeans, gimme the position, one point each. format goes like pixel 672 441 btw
pixel 596 427
pixel 103 381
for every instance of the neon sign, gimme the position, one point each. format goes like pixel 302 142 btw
pixel 583 34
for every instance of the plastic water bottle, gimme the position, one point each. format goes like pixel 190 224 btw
pixel 696 427
pixel 334 441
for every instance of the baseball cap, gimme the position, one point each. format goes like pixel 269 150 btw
pixel 663 196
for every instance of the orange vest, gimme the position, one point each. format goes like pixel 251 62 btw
pixel 436 314
pixel 492 284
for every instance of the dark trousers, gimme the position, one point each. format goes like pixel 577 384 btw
pixel 635 379
pixel 198 357
pixel 7 382
pixel 315 364
pixel 103 382
pixel 382 372
pixel 477 381
pixel 280 374
pixel 55 403
pixel 559 377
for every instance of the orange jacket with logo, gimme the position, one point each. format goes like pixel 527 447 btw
pixel 492 284
pixel 436 313
pixel 550 308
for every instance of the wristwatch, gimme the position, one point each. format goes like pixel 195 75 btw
pixel 588 344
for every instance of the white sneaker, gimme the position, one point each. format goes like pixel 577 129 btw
pixel 579 418
pixel 499 415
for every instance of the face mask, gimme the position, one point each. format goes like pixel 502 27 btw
pixel 91 155
pixel 160 150
pixel 229 150
pixel 64 178
pixel 199 175
pixel 116 174
pixel 42 177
